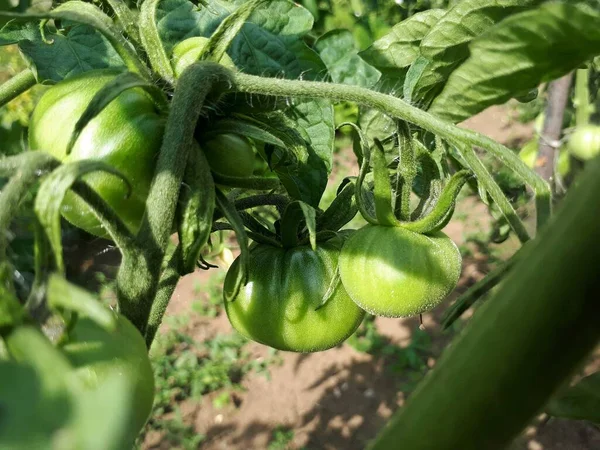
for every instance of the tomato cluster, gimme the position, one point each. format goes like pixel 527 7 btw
pixel 296 298
pixel 387 271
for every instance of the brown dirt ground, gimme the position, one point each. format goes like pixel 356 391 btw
pixel 339 399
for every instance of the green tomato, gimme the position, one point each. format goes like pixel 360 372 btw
pixel 96 354
pixel 584 143
pixel 127 135
pixel 393 272
pixel 230 155
pixel 187 52
pixel 278 306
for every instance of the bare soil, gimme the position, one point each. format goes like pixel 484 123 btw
pixel 339 399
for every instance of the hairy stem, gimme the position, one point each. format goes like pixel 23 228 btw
pixel 166 287
pixel 14 87
pixel 138 276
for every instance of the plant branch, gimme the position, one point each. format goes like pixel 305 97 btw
pixel 166 287
pixel 14 87
pixel 137 280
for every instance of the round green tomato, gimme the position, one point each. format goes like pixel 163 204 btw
pixel 127 135
pixel 584 143
pixel 393 272
pixel 96 354
pixel 230 155
pixel 278 306
pixel 187 52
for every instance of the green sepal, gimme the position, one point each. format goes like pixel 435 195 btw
pixel 295 214
pixel 65 296
pixel 52 192
pixel 342 210
pixel 195 210
pixel 233 217
pixel 442 212
pixel 383 188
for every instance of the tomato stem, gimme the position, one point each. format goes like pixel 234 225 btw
pixel 137 279
pixel 582 97
pixel 406 171
pixel 18 84
pixel 495 192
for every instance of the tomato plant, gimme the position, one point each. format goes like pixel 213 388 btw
pixel 127 135
pixel 394 272
pixel 281 305
pixel 158 106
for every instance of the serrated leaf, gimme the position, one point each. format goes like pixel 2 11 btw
pixel 400 47
pixel 579 402
pixel 531 47
pixel 447 43
pixel 339 52
pixel 269 44
pixel 79 49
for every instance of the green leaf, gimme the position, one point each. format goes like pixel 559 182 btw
pixel 87 14
pixel 580 402
pixel 339 52
pixel 52 192
pixel 271 44
pixel 535 46
pixel 397 50
pixel 302 172
pixel 447 44
pixel 64 295
pixel 79 49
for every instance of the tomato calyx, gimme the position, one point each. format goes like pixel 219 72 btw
pixel 387 206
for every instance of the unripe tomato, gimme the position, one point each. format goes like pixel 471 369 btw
pixel 584 143
pixel 230 154
pixel 96 353
pixel 127 135
pixel 187 52
pixel 393 272
pixel 278 306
